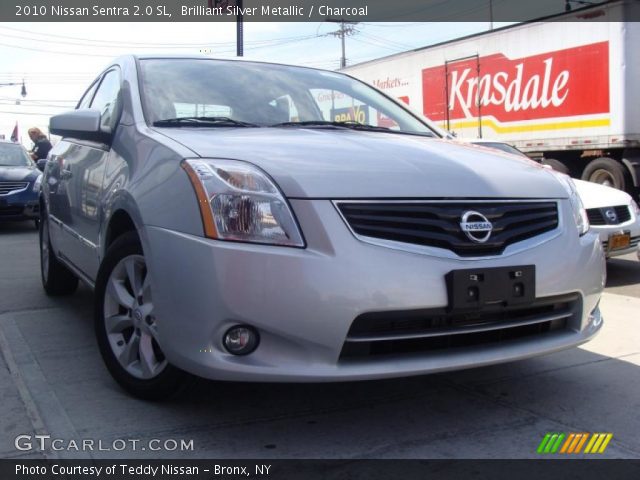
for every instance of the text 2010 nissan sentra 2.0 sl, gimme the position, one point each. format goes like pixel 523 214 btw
pixel 259 222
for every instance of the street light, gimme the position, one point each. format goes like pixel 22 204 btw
pixel 23 90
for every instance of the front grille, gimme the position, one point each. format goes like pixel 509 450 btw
pixel 598 216
pixel 437 224
pixel 7 187
pixel 384 333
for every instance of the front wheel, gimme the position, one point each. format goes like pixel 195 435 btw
pixel 126 325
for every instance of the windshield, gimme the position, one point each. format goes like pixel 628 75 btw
pixel 12 155
pixel 265 95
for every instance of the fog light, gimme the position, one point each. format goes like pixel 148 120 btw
pixel 241 340
pixel 595 317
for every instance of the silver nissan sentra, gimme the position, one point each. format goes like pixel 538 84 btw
pixel 259 222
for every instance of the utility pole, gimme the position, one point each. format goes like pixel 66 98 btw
pixel 346 28
pixel 239 32
pixel 490 14
pixel 223 4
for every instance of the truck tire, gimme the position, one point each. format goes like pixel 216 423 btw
pixel 557 165
pixel 606 171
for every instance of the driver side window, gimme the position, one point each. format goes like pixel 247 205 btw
pixel 106 99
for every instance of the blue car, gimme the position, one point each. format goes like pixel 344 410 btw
pixel 19 184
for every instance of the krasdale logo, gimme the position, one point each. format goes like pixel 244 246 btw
pixel 562 83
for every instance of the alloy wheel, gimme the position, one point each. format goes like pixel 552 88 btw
pixel 129 319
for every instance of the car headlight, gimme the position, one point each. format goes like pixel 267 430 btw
pixel 239 202
pixel 635 208
pixel 37 184
pixel 579 212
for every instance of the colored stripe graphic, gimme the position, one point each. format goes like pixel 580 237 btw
pixel 543 443
pixel 565 447
pixel 556 445
pixel 582 442
pixel 605 444
pixel 599 443
pixel 499 128
pixel 591 442
pixel 550 443
pixel 572 443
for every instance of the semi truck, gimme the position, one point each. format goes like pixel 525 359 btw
pixel 565 89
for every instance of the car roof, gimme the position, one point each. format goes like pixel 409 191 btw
pixel 173 56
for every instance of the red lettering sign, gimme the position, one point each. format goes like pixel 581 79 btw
pixel 562 83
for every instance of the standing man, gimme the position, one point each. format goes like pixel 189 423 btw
pixel 41 144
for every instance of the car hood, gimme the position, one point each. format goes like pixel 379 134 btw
pixel 338 163
pixel 15 174
pixel 594 195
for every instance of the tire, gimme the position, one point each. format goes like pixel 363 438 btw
pixel 57 279
pixel 557 165
pixel 606 171
pixel 125 325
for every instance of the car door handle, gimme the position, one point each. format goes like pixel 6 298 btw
pixel 66 174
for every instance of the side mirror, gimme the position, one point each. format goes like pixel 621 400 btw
pixel 41 164
pixel 83 124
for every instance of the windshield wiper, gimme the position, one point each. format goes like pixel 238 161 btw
pixel 349 124
pixel 321 123
pixel 202 122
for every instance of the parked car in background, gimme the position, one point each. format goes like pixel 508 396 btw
pixel 19 184
pixel 249 221
pixel 612 213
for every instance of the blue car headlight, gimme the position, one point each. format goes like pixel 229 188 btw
pixel 37 184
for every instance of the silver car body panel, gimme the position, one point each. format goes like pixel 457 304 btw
pixel 303 329
pixel 303 301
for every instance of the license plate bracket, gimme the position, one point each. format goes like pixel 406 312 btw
pixel 474 288
pixel 618 241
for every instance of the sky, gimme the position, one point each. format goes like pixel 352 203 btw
pixel 58 61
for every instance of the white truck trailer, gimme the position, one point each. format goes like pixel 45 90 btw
pixel 566 91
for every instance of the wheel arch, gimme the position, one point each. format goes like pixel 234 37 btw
pixel 122 216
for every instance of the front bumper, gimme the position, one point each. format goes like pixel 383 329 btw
pixel 631 227
pixel 23 205
pixel 303 301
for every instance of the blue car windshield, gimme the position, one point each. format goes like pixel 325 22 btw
pixel 219 93
pixel 13 156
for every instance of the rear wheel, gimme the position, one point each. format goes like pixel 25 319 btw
pixel 126 325
pixel 606 171
pixel 56 278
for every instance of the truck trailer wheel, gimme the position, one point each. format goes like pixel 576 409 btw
pixel 557 165
pixel 606 171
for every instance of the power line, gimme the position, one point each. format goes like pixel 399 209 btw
pixel 48 114
pixel 393 49
pixel 385 40
pixel 120 43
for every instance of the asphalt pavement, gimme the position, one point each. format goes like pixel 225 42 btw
pixel 53 382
